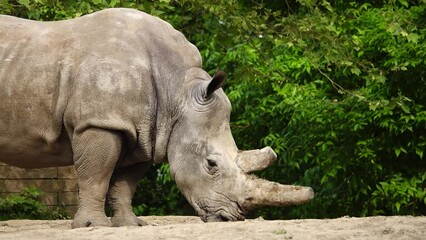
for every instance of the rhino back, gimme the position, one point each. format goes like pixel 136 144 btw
pixel 113 69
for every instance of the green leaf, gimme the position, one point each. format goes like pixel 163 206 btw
pixel 419 152
pixel 26 3
pixel 347 63
pixel 412 37
pixel 397 206
pixel 403 3
pixel 112 3
pixel 397 151
pixel 355 70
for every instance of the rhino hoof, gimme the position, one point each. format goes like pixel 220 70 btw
pixel 94 222
pixel 127 221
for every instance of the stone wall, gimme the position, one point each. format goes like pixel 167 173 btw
pixel 58 184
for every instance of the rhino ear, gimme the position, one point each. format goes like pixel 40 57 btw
pixel 217 82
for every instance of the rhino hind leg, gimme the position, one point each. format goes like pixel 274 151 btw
pixel 121 189
pixel 96 152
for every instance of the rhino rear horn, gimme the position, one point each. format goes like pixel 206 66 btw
pixel 218 80
pixel 254 160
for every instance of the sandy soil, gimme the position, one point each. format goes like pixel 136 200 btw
pixel 179 227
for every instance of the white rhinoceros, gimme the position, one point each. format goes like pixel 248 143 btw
pixel 113 92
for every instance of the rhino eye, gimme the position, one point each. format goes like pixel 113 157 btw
pixel 211 165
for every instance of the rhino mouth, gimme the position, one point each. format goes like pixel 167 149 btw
pixel 221 214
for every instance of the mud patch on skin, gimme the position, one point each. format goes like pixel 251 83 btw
pixel 184 227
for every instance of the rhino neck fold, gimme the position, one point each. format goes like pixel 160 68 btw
pixel 168 67
pixel 167 111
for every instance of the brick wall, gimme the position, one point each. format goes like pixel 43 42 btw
pixel 58 184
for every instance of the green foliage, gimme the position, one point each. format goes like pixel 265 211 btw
pixel 399 195
pixel 27 205
pixel 158 195
pixel 335 87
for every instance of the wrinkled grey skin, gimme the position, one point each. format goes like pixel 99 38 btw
pixel 113 92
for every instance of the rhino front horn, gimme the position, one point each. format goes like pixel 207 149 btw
pixel 265 193
pixel 255 160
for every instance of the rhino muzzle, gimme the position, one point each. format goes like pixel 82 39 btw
pixel 222 216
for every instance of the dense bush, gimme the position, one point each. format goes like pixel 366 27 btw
pixel 335 87
pixel 27 205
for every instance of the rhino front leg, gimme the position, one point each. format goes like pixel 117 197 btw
pixel 96 152
pixel 122 187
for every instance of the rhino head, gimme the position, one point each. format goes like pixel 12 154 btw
pixel 206 164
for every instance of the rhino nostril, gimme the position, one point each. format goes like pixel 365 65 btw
pixel 224 218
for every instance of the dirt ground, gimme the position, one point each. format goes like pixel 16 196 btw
pixel 180 227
